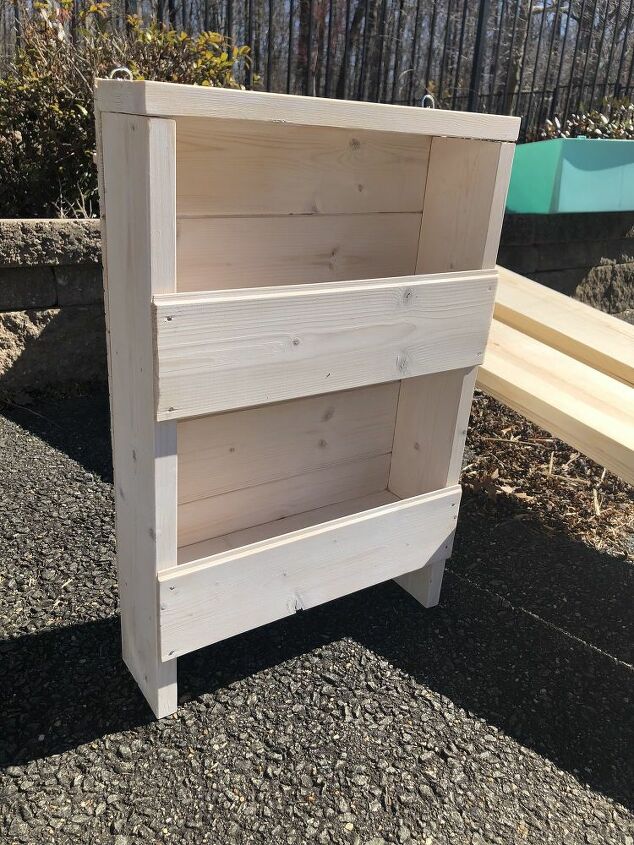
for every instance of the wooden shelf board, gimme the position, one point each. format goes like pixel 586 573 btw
pixel 208 600
pixel 270 345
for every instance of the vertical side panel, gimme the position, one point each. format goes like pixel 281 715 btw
pixel 459 197
pixel 139 188
pixel 431 428
pixel 465 195
pixel 498 204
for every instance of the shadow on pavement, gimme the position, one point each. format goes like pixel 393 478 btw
pixel 532 634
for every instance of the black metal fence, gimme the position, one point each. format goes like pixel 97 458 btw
pixel 534 58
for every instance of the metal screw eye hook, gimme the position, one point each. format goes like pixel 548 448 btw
pixel 121 73
pixel 428 102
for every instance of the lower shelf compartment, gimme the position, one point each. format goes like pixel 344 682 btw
pixel 231 584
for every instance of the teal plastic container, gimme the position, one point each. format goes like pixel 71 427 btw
pixel 572 174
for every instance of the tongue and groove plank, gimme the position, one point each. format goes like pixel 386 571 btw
pixel 228 350
pixel 295 170
pixel 216 253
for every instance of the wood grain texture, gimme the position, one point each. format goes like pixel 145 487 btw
pixel 582 406
pixel 221 351
pixel 139 203
pixel 498 205
pixel 207 601
pixel 244 252
pixel 431 429
pixel 467 182
pixel 592 337
pixel 232 511
pixel 163 99
pixel 224 452
pixel 459 206
pixel 235 167
pixel 256 533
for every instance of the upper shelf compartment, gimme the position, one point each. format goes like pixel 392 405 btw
pixel 271 189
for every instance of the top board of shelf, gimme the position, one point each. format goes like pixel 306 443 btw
pixel 167 99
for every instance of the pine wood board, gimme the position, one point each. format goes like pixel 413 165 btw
pixel 139 203
pixel 265 345
pixel 592 337
pixel 220 253
pixel 238 509
pixel 225 452
pixel 279 527
pixel 584 407
pixel 285 169
pixel 207 601
pixel 166 99
pixel 462 215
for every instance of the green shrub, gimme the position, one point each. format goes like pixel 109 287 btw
pixel 47 135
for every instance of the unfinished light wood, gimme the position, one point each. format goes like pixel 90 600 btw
pixel 287 169
pixel 586 408
pixel 497 208
pixel 268 345
pixel 462 219
pixel 431 428
pixel 256 533
pixel 298 358
pixel 216 598
pixel 163 99
pixel 464 205
pixel 225 452
pixel 237 509
pixel 243 252
pixel 139 203
pixel 582 332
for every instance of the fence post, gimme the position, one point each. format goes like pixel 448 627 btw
pixel 478 55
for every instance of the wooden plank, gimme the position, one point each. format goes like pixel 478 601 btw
pixel 256 533
pixel 466 190
pixel 234 167
pixel 266 345
pixel 210 600
pixel 462 212
pixel 140 186
pixel 237 509
pixel 588 409
pixel 592 337
pixel 431 430
pixel 498 205
pixel 243 252
pixel 225 452
pixel 170 100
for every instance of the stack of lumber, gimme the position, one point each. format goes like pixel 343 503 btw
pixel 566 367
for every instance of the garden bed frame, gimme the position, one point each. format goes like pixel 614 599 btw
pixel 298 295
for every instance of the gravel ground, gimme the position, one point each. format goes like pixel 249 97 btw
pixel 502 716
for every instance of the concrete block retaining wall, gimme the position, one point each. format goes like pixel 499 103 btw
pixel 52 330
